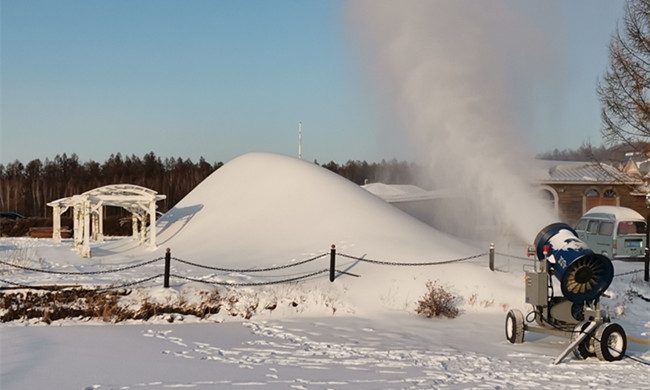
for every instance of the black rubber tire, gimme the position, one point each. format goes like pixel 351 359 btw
pixel 586 348
pixel 515 327
pixel 610 343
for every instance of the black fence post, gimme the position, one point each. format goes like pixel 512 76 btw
pixel 646 268
pixel 491 256
pixel 332 262
pixel 168 258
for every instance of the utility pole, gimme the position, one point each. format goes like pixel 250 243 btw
pixel 299 140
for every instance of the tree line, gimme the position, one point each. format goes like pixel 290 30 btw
pixel 388 172
pixel 613 154
pixel 27 188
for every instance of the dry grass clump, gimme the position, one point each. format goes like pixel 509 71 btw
pixel 58 304
pixel 437 302
pixel 84 303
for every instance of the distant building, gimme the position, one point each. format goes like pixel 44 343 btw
pixel 571 188
pixel 637 165
pixel 432 207
pixel 575 187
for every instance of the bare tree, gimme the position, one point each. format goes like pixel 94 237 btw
pixel 625 89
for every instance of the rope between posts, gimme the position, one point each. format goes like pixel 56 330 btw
pixel 25 286
pixel 242 270
pixel 251 284
pixel 130 283
pixel 56 288
pixel 529 259
pixel 628 273
pixel 638 295
pixel 79 272
pixel 382 262
pixel 513 257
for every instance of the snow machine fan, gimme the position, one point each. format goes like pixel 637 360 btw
pixel 575 314
pixel 583 274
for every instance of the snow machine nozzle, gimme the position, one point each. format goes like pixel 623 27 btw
pixel 583 274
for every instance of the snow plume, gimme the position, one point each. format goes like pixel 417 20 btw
pixel 449 70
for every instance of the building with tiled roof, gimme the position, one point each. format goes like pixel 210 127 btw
pixel 575 187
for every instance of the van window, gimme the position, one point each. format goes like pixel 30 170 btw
pixel 582 225
pixel 606 229
pixel 631 227
pixel 592 227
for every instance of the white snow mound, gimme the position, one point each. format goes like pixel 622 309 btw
pixel 261 207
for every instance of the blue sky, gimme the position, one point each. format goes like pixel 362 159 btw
pixel 222 78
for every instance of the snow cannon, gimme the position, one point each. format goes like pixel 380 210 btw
pixel 576 313
pixel 583 274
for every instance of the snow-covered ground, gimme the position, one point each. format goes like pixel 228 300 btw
pixel 359 332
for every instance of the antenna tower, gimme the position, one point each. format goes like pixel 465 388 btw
pixel 299 140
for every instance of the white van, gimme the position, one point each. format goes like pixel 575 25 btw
pixel 616 232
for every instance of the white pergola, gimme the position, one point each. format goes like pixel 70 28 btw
pixel 88 208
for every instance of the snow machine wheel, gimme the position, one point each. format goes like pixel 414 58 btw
pixel 515 326
pixel 610 343
pixel 586 348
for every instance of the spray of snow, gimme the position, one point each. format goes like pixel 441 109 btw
pixel 448 68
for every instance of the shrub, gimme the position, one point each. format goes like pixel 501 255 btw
pixel 437 302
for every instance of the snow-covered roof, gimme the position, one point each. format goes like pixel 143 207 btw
pixel 581 173
pixel 618 213
pixel 396 193
pixel 131 197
